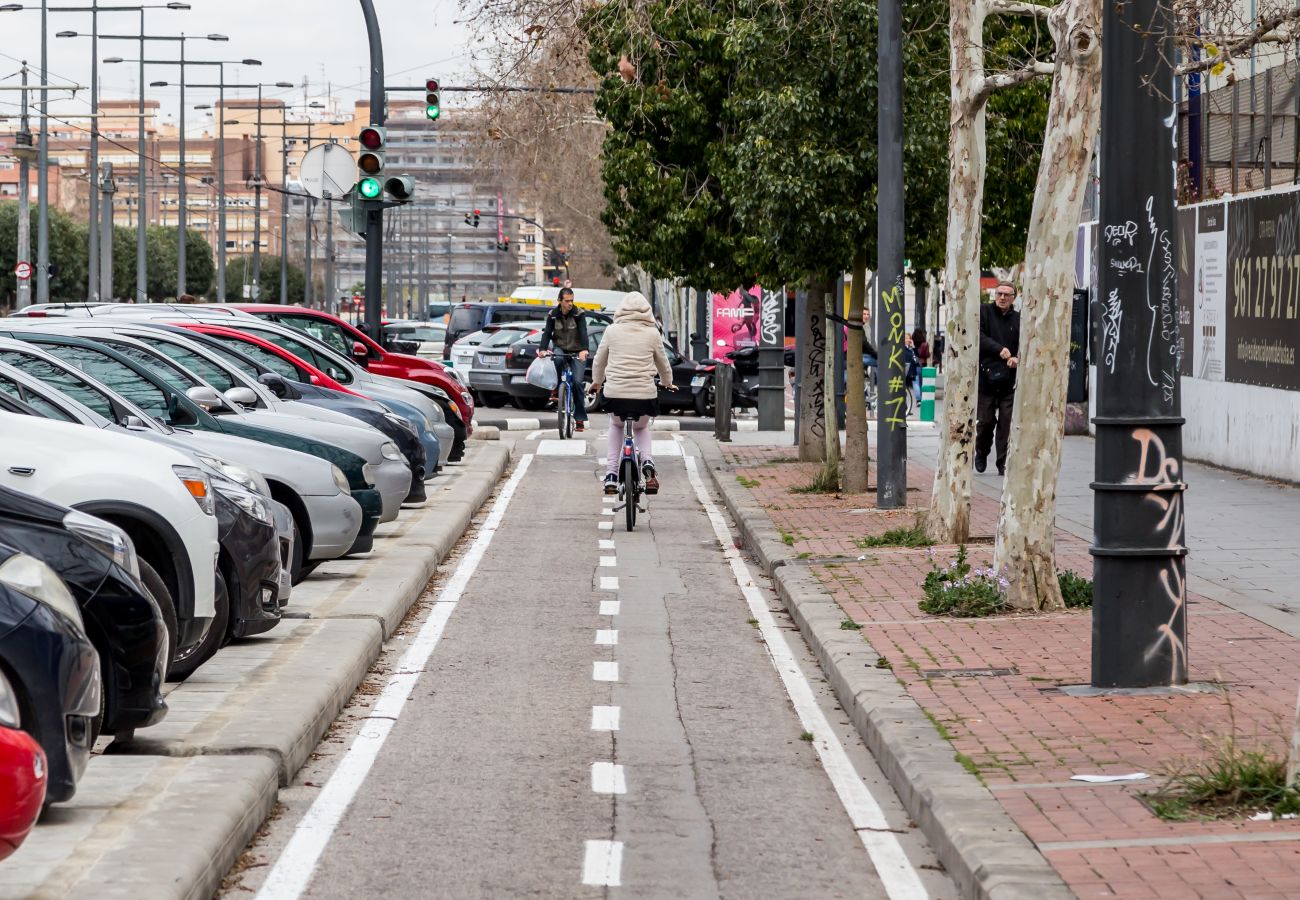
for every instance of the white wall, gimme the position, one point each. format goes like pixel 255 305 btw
pixel 1242 426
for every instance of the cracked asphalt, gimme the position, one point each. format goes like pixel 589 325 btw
pixel 485 786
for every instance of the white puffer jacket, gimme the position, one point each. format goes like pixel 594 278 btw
pixel 631 352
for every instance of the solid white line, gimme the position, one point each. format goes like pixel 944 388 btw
pixel 603 863
pixel 609 582
pixel 607 778
pixel 897 874
pixel 604 544
pixel 293 870
pixel 609 561
pixel 603 670
pixel 609 607
pixel 607 637
pixel 604 718
pixel 605 526
pixel 534 435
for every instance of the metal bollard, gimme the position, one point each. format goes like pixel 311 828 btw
pixel 722 377
pixel 928 376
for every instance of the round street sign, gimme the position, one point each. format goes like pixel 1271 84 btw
pixel 23 270
pixel 327 170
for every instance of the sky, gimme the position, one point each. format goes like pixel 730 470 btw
pixel 320 41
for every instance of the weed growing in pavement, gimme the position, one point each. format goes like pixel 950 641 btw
pixel 1236 781
pixel 827 481
pixel 747 482
pixel 753 622
pixel 969 765
pixel 849 625
pixel 786 537
pixel 883 663
pixel 912 536
pixel 804 555
pixel 963 591
pixel 806 736
pixel 1076 590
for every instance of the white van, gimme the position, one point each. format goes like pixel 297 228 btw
pixel 586 298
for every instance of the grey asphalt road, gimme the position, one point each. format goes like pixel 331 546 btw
pixel 500 777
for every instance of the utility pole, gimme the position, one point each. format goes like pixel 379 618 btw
pixel 449 300
pixel 23 141
pixel 1139 616
pixel 309 204
pixel 92 238
pixel 181 236
pixel 257 203
pixel 891 412
pixel 331 293
pixel 43 171
pixel 108 188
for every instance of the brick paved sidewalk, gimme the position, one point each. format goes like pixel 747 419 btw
pixel 1023 736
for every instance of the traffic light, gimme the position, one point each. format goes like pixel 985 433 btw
pixel 432 104
pixel 504 244
pixel 400 187
pixel 370 161
pixel 472 218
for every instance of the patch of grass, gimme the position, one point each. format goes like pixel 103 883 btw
pixel 964 592
pixel 850 625
pixel 1236 781
pixel 806 736
pixel 804 555
pixel 883 663
pixel 1075 590
pixel 938 726
pixel 786 537
pixel 912 536
pixel 827 481
pixel 969 765
pixel 753 622
pixel 747 482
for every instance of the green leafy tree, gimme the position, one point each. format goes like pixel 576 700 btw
pixel 68 250
pixel 239 271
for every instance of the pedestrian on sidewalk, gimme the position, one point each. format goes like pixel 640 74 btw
pixel 939 345
pixel 631 354
pixel 999 358
pixel 566 326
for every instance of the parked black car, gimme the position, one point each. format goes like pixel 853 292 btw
pixel 97 562
pixel 51 664
pixel 467 318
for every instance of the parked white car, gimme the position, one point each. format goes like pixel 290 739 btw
pixel 153 493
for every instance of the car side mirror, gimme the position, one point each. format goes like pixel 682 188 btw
pixel 132 422
pixel 275 383
pixel 360 355
pixel 242 395
pixel 206 398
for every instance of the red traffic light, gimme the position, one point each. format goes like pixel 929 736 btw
pixel 476 212
pixel 431 85
pixel 371 139
pixel 556 280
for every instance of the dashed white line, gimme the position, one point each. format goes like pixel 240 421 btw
pixel 602 864
pixel 607 512
pixel 605 526
pixel 607 637
pixel 607 778
pixel 604 670
pixel 609 582
pixel 605 544
pixel 292 871
pixel 604 718
pixel 897 874
pixel 609 607
pixel 608 562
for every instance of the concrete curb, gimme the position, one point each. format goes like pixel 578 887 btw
pixel 168 814
pixel 985 854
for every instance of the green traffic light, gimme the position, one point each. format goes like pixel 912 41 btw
pixel 369 188
pixel 432 111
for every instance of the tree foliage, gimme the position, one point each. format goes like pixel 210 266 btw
pixel 239 271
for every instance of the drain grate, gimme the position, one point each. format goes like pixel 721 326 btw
pixel 969 673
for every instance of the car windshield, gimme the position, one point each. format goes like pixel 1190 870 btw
pixel 34 400
pixel 60 378
pixel 230 349
pixel 418 333
pixel 307 353
pixel 323 330
pixel 508 313
pixel 504 338
pixel 465 318
pixel 116 376
pixel 205 368
pixel 164 368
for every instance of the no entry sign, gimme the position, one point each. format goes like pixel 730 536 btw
pixel 23 270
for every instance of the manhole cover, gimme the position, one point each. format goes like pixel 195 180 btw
pixel 969 673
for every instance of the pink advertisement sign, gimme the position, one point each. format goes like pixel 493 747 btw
pixel 735 321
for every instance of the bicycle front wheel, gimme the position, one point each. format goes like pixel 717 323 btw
pixel 631 494
pixel 564 412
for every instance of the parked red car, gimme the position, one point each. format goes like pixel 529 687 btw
pixel 357 345
pixel 272 356
pixel 23 775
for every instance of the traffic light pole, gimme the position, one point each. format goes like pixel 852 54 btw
pixel 374 211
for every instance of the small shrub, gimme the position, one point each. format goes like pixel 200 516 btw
pixel 1235 782
pixel 849 625
pixel 826 482
pixel 747 482
pixel 1075 590
pixel 962 591
pixel 912 536
pixel 786 537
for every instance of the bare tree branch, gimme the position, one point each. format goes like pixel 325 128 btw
pixel 1278 28
pixel 1018 8
pixel 1036 69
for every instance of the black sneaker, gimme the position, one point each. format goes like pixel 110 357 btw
pixel 1002 470
pixel 611 483
pixel 981 463
pixel 651 482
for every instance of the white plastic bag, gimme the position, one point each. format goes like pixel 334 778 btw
pixel 541 374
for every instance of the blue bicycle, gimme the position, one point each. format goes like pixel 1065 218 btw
pixel 565 398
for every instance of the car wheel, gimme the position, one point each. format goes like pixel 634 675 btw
pixel 156 588
pixel 704 402
pixel 532 404
pixel 296 570
pixel 187 665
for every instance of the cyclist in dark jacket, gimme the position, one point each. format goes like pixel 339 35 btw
pixel 566 328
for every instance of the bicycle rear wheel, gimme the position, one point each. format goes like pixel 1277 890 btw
pixel 631 494
pixel 564 412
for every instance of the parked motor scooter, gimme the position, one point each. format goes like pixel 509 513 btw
pixel 744 381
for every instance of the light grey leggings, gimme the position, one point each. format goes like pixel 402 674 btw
pixel 640 433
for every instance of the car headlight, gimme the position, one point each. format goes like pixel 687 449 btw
pixel 390 451
pixel 252 504
pixel 28 575
pixel 340 479
pixel 200 488
pixel 368 472
pixel 105 537
pixel 404 424
pixel 9 715
pixel 249 478
pixel 467 399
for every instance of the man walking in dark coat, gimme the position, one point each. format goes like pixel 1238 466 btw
pixel 999 359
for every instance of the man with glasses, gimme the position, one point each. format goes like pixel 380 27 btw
pixel 999 358
pixel 566 327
